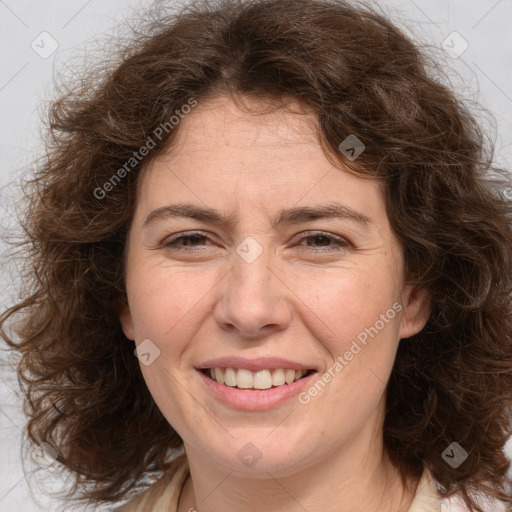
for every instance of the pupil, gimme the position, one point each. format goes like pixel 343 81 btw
pixel 321 237
pixel 190 237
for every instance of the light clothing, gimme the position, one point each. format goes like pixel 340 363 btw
pixel 427 498
pixel 164 494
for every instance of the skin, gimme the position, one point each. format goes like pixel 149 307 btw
pixel 298 300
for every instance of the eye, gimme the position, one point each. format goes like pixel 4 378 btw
pixel 326 242
pixel 185 240
pixel 317 241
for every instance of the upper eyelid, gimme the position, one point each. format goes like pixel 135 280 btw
pixel 338 238
pixel 185 234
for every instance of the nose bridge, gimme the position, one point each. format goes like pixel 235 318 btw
pixel 251 270
pixel 251 276
pixel 252 297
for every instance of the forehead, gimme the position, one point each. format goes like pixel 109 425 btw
pixel 219 128
pixel 226 158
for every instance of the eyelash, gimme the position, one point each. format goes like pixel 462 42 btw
pixel 342 244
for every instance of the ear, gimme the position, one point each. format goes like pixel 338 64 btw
pixel 416 311
pixel 125 319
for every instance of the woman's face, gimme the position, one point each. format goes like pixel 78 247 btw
pixel 275 260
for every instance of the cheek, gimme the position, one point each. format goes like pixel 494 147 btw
pixel 165 299
pixel 356 320
pixel 343 306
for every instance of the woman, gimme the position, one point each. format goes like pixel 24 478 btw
pixel 295 230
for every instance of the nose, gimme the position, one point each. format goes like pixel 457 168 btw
pixel 254 299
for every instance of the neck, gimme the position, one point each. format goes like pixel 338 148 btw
pixel 349 479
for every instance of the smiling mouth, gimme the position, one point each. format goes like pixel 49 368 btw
pixel 242 378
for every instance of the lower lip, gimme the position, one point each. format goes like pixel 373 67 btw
pixel 255 399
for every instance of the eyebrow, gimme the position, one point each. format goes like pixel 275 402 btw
pixel 288 216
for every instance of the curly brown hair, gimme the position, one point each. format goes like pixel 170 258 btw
pixel 85 394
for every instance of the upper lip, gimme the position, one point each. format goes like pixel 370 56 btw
pixel 260 363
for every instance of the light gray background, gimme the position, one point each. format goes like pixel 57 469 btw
pixel 482 73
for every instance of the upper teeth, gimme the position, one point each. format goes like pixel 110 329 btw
pixel 261 379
